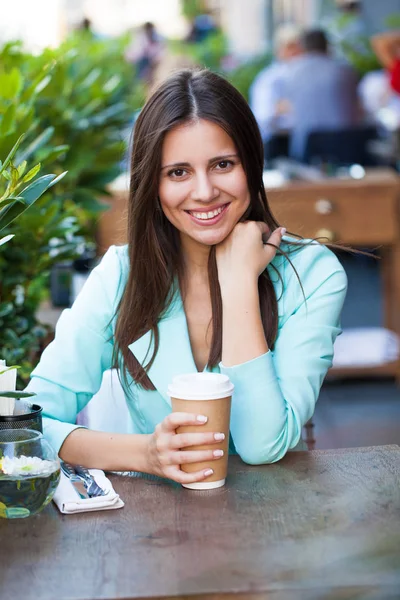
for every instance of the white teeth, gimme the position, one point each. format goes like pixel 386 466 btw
pixel 206 215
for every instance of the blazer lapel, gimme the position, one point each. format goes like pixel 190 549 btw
pixel 174 355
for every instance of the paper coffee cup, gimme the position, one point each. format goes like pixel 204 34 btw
pixel 206 394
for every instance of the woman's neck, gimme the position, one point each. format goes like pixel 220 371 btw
pixel 195 259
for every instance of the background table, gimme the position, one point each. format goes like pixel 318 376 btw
pixel 317 525
pixel 362 213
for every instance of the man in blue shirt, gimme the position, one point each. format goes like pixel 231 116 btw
pixel 321 90
pixel 267 92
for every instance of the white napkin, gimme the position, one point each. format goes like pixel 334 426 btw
pixel 7 384
pixel 68 501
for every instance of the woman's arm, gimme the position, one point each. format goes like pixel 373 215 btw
pixel 243 336
pixel 275 392
pixel 241 258
pixel 108 451
pixel 71 367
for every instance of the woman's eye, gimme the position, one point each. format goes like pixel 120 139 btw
pixel 177 173
pixel 224 164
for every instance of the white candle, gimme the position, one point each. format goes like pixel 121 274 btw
pixel 8 382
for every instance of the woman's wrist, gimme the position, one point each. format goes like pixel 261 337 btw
pixel 243 284
pixel 107 451
pixel 141 453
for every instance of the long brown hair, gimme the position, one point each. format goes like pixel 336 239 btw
pixel 154 243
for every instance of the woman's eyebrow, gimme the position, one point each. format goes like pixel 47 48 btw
pixel 212 160
pixel 175 165
pixel 223 157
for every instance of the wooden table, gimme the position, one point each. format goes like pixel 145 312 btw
pixel 362 213
pixel 317 525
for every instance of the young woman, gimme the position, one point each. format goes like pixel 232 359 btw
pixel 196 288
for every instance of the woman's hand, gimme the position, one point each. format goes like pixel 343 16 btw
pixel 243 255
pixel 165 448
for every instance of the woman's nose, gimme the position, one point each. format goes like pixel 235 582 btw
pixel 203 188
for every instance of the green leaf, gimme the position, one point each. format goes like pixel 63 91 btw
pixel 10 200
pixel 12 153
pixel 8 121
pixel 29 195
pixel 33 191
pixel 6 309
pixel 31 174
pixel 14 177
pixel 6 239
pixel 11 212
pixel 21 168
pixel 91 78
pixel 17 395
pixel 40 141
pixel 112 84
pixel 87 199
pixel 26 198
pixel 51 154
pixel 37 85
pixel 42 84
pixel 11 84
pixel 58 178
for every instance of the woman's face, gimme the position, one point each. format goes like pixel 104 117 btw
pixel 203 188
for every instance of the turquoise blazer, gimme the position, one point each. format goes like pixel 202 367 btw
pixel 275 394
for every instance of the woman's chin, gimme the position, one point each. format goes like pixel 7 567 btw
pixel 210 238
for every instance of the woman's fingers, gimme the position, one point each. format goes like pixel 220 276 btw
pixel 180 476
pixel 184 457
pixel 263 227
pixel 184 440
pixel 274 241
pixel 178 419
pixel 276 236
pixel 169 447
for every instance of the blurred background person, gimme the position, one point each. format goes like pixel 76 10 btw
pixel 387 49
pixel 378 99
pixel 268 96
pixel 201 27
pixel 145 52
pixel 322 92
pixel 86 25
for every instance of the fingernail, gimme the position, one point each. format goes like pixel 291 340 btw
pixel 219 436
pixel 208 472
pixel 218 453
pixel 201 419
pixel 283 230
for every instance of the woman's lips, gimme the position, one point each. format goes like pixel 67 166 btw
pixel 208 221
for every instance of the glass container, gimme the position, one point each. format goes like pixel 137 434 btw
pixel 29 473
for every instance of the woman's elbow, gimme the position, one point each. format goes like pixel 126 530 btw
pixel 259 447
pixel 265 456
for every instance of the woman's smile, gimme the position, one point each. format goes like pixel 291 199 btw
pixel 208 216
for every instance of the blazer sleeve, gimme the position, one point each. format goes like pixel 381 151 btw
pixel 71 367
pixel 275 394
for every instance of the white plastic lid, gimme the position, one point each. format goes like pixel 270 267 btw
pixel 200 386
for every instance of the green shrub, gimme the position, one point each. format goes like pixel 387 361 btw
pixel 74 105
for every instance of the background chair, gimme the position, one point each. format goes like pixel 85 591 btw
pixel 276 146
pixel 341 146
